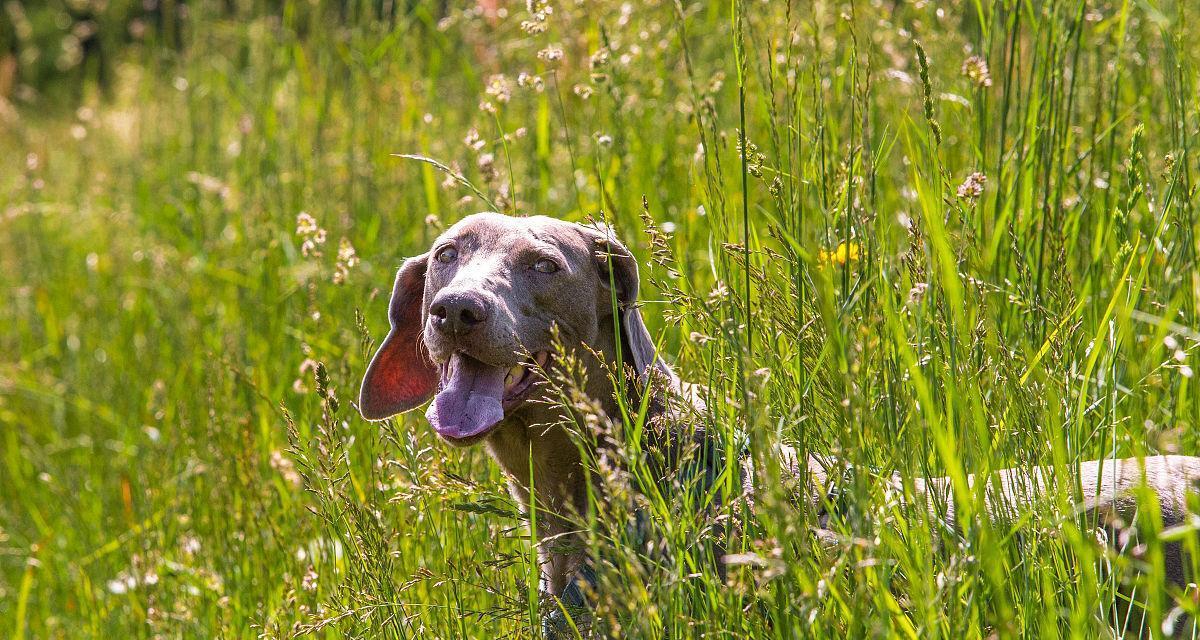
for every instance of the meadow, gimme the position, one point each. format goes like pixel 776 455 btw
pixel 937 237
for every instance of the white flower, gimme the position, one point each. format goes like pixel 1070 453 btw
pixel 309 581
pixel 550 53
pixel 976 69
pixel 972 187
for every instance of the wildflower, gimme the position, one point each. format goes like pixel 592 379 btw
pixel 719 294
pixel 305 224
pixel 309 581
pixel 975 68
pixel 539 14
pixel 525 79
pixel 123 583
pixel 308 365
pixel 603 139
pixel 583 91
pixel 190 545
pixel 312 234
pixel 309 247
pixel 845 252
pixel 600 58
pixel 917 293
pixel 533 27
pixel 473 140
pixel 347 259
pixel 626 14
pixel 450 181
pixel 539 9
pixel 499 88
pixel 716 82
pixel 346 253
pixel 285 467
pixel 551 53
pixel 487 166
pixel 972 187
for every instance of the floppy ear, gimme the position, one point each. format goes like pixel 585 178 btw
pixel 401 376
pixel 619 269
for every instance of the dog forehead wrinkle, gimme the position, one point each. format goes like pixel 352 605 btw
pixel 474 234
pixel 490 228
pixel 546 238
pixel 524 251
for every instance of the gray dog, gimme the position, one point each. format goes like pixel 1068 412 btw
pixel 472 325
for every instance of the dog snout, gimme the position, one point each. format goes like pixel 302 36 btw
pixel 457 313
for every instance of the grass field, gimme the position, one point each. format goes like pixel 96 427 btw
pixel 956 236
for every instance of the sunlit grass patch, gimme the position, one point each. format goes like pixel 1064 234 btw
pixel 983 260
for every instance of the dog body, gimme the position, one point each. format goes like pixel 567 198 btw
pixel 1107 495
pixel 472 323
pixel 472 326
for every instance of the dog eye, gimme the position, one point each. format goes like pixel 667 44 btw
pixel 446 255
pixel 545 265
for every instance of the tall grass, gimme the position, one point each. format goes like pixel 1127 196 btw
pixel 928 238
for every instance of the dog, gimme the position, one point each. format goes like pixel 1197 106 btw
pixel 473 326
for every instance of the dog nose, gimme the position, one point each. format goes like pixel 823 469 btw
pixel 457 312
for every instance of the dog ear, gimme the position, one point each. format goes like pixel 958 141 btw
pixel 401 377
pixel 619 270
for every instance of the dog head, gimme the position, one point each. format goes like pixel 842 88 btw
pixel 471 320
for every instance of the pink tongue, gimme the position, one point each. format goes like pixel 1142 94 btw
pixel 469 401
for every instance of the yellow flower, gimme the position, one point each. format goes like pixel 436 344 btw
pixel 845 252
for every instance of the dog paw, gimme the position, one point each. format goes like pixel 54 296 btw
pixel 565 625
pixel 567 615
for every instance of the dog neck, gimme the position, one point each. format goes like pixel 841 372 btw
pixel 545 474
pixel 545 469
pixel 534 448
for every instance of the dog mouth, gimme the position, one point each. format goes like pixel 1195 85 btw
pixel 473 396
pixel 521 378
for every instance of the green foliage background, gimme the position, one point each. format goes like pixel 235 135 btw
pixel 170 465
